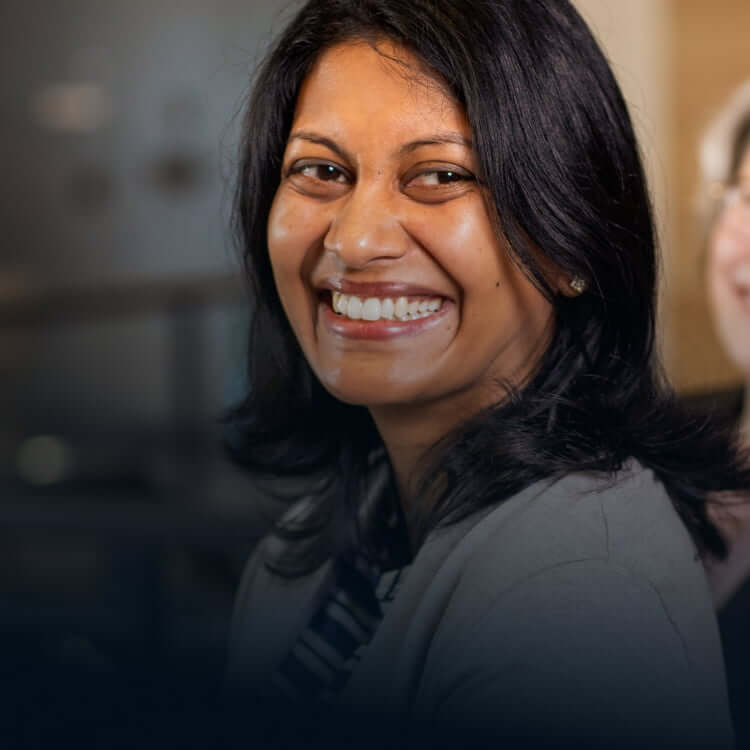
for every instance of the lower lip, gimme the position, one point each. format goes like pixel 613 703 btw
pixel 379 329
pixel 743 295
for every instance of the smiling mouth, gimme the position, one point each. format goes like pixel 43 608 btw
pixel 373 309
pixel 741 284
pixel 741 279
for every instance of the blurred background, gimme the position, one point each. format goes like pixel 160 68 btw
pixel 122 313
pixel 123 529
pixel 677 62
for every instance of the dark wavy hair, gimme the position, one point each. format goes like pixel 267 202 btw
pixel 560 161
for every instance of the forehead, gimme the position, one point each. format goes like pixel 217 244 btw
pixel 356 85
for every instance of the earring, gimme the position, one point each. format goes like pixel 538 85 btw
pixel 578 284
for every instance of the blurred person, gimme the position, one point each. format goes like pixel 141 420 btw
pixel 725 170
pixel 725 164
pixel 502 509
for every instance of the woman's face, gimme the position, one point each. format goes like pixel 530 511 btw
pixel 729 271
pixel 397 284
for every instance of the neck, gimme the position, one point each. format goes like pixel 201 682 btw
pixel 410 431
pixel 406 443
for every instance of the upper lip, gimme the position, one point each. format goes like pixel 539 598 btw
pixel 377 288
pixel 741 275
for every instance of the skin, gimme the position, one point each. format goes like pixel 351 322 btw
pixel 729 296
pixel 391 196
pixel 729 273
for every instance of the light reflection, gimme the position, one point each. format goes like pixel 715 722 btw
pixel 44 460
pixel 73 107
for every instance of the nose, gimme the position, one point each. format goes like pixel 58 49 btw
pixel 366 228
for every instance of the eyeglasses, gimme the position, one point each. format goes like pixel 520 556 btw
pixel 732 194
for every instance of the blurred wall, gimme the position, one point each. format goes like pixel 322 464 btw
pixel 635 36
pixel 122 333
pixel 711 46
pixel 119 133
pixel 677 61
pixel 119 149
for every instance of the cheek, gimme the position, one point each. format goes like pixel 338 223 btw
pixel 293 232
pixel 722 253
pixel 730 240
pixel 713 275
pixel 285 237
pixel 727 309
pixel 465 244
pixel 496 293
pixel 289 234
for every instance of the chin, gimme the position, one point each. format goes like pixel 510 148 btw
pixel 357 392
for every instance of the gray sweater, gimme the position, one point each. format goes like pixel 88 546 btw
pixel 577 611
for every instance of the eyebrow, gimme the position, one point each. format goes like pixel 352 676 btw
pixel 306 135
pixel 436 140
pixel 432 140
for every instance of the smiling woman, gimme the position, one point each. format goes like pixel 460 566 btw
pixel 497 509
pixel 385 212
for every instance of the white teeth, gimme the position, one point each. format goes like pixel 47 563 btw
pixel 354 308
pixel 742 274
pixel 372 308
pixel 400 308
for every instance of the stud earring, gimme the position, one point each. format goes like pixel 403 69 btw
pixel 578 284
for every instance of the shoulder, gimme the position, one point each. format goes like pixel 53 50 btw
pixel 625 519
pixel 582 598
pixel 605 538
pixel 585 650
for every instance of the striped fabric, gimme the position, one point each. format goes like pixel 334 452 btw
pixel 321 661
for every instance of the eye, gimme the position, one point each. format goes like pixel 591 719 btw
pixel 439 177
pixel 322 180
pixel 432 183
pixel 321 171
pixel 736 194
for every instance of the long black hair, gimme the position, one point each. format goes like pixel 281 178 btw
pixel 560 161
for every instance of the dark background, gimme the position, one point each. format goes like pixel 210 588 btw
pixel 123 528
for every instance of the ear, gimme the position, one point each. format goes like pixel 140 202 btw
pixel 570 286
pixel 566 284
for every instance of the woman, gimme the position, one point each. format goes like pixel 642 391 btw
pixel 450 243
pixel 725 168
